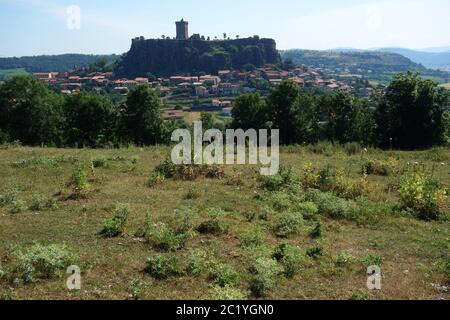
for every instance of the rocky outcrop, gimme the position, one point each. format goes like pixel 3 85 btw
pixel 167 56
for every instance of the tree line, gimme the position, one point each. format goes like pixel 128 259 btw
pixel 412 113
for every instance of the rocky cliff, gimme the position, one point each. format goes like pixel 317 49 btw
pixel 167 57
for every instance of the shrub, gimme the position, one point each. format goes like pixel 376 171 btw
pixel 290 257
pixel 37 203
pixel 135 288
pixel 197 262
pixel 282 201
pixel 8 197
pixel 317 231
pixel 288 224
pixel 380 167
pixel 372 259
pixel 163 267
pixel 214 225
pixel 253 238
pixel 424 196
pixel 279 181
pixel 78 181
pixel 165 239
pixel 330 205
pixel 166 168
pixel 227 293
pixel 266 270
pixel 114 227
pixel 249 215
pixel 343 259
pixel 224 275
pixel 155 179
pixel 315 252
pixel 308 209
pixel 52 204
pixel 192 194
pixel 17 206
pixel 43 262
pixel 100 162
pixel 213 172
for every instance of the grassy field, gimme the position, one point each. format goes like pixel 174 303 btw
pixel 221 229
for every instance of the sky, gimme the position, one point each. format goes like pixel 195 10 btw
pixel 34 27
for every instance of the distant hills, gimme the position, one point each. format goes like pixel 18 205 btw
pixel 375 65
pixel 57 63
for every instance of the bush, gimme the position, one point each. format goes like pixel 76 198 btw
pixel 78 181
pixel 372 260
pixel 279 181
pixel 165 239
pixel 343 259
pixel 424 196
pixel 227 293
pixel 290 257
pixel 288 224
pixel 166 168
pixel 266 270
pixel 380 167
pixel 253 238
pixel 330 205
pixel 249 215
pixel 44 262
pixel 8 197
pixel 17 206
pixel 100 162
pixel 224 275
pixel 163 267
pixel 192 194
pixel 317 231
pixel 197 262
pixel 315 252
pixel 37 203
pixel 214 225
pixel 308 209
pixel 114 227
pixel 155 179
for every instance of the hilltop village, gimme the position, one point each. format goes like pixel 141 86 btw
pixel 203 91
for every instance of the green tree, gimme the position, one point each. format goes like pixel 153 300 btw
pixel 249 112
pixel 30 112
pixel 305 119
pixel 143 116
pixel 280 101
pixel 410 114
pixel 344 117
pixel 91 120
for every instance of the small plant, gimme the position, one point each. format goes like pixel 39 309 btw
pixel 135 288
pixel 197 262
pixel 224 275
pixel 330 205
pixel 52 204
pixel 227 293
pixel 372 260
pixel 308 209
pixel 253 238
pixel 424 196
pixel 279 181
pixel 290 257
pixel 43 262
pixel 163 267
pixel 214 225
pixel 380 167
pixel 114 227
pixel 288 224
pixel 165 239
pixel 79 180
pixel 166 168
pixel 343 259
pixel 317 231
pixel 266 270
pixel 37 203
pixel 192 194
pixel 155 179
pixel 101 162
pixel 249 215
pixel 315 252
pixel 8 197
pixel 17 206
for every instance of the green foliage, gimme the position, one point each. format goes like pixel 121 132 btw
pixel 290 257
pixel 224 275
pixel 43 262
pixel 197 262
pixel 227 293
pixel 281 180
pixel 384 167
pixel 135 288
pixel 253 238
pixel 114 227
pixel 343 259
pixel 8 197
pixel 424 196
pixel 250 112
pixel 163 238
pixel 288 224
pixel 266 270
pixel 372 260
pixel 317 232
pixel 37 203
pixel 155 179
pixel 215 225
pixel 315 252
pixel 163 267
pixel 79 180
pixel 100 162
pixel 330 205
pixel 308 209
pixel 192 194
pixel 352 148
pixel 17 206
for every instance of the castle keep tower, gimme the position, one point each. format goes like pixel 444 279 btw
pixel 182 30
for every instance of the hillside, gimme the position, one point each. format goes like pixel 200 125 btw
pixel 432 60
pixel 329 246
pixel 166 57
pixel 47 63
pixel 375 65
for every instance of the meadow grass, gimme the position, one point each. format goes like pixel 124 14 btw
pixel 370 226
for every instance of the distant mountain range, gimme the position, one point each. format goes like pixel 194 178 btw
pixel 432 58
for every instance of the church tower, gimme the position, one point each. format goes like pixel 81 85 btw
pixel 182 30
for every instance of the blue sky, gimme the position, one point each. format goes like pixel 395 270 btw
pixel 31 27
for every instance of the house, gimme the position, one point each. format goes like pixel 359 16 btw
pixel 201 91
